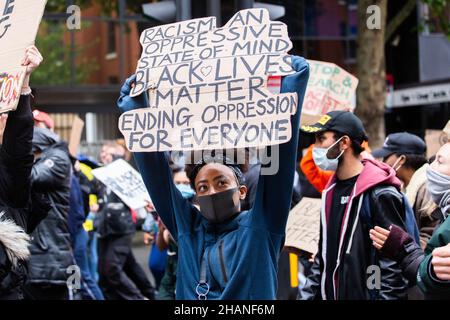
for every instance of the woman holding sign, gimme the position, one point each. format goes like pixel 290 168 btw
pixel 21 208
pixel 225 253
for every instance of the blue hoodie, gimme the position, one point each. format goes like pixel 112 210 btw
pixel 242 254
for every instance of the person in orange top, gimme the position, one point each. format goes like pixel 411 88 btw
pixel 318 177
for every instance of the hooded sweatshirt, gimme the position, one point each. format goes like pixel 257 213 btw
pixel 355 247
pixel 240 256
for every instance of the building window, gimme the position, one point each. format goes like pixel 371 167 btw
pixel 111 37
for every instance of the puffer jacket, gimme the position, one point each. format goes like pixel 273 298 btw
pixel 21 208
pixel 51 252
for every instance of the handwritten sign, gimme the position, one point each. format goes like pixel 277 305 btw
pixel 303 226
pixel 329 88
pixel 19 23
pixel 208 87
pixel 125 182
pixel 447 130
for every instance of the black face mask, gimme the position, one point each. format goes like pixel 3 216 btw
pixel 220 206
pixel 117 157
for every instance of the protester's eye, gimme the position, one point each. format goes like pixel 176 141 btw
pixel 202 188
pixel 222 183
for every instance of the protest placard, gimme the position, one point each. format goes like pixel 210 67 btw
pixel 19 23
pixel 75 135
pixel 303 226
pixel 208 87
pixel 329 88
pixel 125 182
pixel 434 140
pixel 447 130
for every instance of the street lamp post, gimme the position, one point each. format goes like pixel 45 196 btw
pixel 243 4
pixel 184 10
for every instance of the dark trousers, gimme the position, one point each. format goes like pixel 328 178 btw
pixel 121 277
pixel 89 289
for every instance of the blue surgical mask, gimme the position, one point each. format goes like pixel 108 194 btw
pixel 322 161
pixel 186 191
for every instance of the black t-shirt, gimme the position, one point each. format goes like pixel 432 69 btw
pixel 341 196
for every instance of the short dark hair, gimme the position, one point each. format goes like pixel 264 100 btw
pixel 356 146
pixel 414 161
pixel 216 157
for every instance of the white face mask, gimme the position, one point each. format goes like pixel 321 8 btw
pixel 322 161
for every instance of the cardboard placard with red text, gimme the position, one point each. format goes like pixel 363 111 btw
pixel 19 24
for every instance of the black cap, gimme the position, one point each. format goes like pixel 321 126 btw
pixel 401 143
pixel 344 122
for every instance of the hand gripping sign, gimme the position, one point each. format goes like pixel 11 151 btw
pixel 207 87
pixel 19 23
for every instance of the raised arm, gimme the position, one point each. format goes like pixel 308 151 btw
pixel 16 159
pixel 274 192
pixel 175 211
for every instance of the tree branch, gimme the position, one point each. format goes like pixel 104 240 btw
pixel 399 18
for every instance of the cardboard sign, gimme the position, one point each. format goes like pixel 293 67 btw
pixel 434 140
pixel 447 130
pixel 75 135
pixel 329 88
pixel 125 182
pixel 208 87
pixel 19 23
pixel 303 226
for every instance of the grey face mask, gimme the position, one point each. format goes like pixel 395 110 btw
pixel 439 189
pixel 220 206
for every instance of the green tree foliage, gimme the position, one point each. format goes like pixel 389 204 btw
pixel 440 10
pixel 56 67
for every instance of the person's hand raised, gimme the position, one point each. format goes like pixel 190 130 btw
pixel 32 59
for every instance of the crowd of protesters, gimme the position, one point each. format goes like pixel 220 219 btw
pixel 217 228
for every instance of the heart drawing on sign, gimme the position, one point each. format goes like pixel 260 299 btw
pixel 206 70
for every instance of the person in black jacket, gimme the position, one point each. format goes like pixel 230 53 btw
pixel 121 277
pixel 51 251
pixel 359 195
pixel 21 208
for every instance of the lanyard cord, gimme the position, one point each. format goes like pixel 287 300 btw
pixel 202 288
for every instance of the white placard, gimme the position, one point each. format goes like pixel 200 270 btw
pixel 125 182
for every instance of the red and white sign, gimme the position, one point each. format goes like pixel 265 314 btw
pixel 19 23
